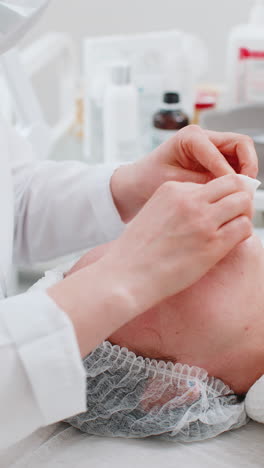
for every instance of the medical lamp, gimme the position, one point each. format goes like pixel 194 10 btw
pixel 16 18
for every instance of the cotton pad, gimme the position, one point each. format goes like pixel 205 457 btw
pixel 253 184
pixel 255 401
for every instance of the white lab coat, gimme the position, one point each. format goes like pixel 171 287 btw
pixel 48 209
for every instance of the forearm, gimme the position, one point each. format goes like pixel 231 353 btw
pixel 98 300
pixel 62 208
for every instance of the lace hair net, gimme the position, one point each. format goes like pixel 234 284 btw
pixel 133 397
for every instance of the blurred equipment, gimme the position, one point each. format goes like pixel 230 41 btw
pixel 16 18
pixel 41 113
pixel 245 63
pixel 169 119
pixel 121 116
pixel 159 62
pixel 51 62
pixel 205 101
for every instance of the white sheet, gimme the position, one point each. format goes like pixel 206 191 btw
pixel 61 446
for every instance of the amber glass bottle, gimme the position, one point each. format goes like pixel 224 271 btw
pixel 169 119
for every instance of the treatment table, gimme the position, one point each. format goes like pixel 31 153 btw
pixel 61 446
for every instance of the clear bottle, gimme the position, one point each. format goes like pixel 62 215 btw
pixel 121 117
pixel 169 119
pixel 245 63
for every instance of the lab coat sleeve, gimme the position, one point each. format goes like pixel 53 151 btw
pixel 60 207
pixel 42 377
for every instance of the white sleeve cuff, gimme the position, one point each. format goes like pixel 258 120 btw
pixel 49 353
pixel 104 207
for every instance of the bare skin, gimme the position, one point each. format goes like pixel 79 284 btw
pixel 193 155
pixel 157 256
pixel 217 324
pixel 184 228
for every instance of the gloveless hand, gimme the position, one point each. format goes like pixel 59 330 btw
pixel 193 155
pixel 179 235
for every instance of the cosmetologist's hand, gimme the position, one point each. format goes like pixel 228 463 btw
pixel 179 235
pixel 193 155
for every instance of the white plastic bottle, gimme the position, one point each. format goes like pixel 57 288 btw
pixel 245 64
pixel 121 117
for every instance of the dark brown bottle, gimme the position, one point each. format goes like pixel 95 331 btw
pixel 169 119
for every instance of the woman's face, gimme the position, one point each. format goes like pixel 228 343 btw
pixel 217 324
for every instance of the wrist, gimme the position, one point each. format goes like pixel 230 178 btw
pixel 97 301
pixel 135 277
pixel 125 192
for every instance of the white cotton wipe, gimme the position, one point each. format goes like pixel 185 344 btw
pixel 255 401
pixel 253 184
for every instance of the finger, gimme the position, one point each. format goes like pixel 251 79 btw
pixel 237 146
pixel 232 233
pixel 209 156
pixel 247 157
pixel 222 187
pixel 184 175
pixel 233 206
